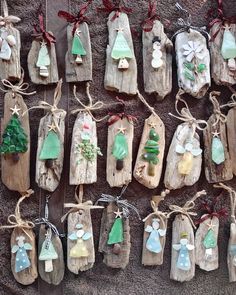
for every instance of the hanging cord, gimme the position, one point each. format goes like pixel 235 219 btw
pixel 185 210
pixel 232 195
pixel 15 220
pixel 143 100
pixel 90 107
pixel 6 18
pixel 88 205
pixel 148 23
pixel 219 117
pixel 231 103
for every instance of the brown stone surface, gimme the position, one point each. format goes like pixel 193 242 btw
pixel 135 279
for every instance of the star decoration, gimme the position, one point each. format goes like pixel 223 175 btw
pixel 211 226
pixel 119 29
pixel 152 125
pixel 15 110
pixel 52 127
pixel 43 43
pixel 118 213
pixel 215 134
pixel 121 130
pixel 77 32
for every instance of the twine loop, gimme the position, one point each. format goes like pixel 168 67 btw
pixel 219 117
pixel 6 18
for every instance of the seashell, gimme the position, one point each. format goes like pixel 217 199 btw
pixel 5 52
pixel 11 40
pixel 2 23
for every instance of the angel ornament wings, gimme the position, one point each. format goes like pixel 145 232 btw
pixel 183 261
pixel 153 242
pixel 22 259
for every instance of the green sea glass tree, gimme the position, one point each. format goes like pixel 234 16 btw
pixel 43 61
pixel 120 150
pixel 51 148
pixel 116 235
pixel 78 48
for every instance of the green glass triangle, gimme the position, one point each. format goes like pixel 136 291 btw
pixel 121 48
pixel 14 139
pixel 43 57
pixel 210 240
pixel 228 48
pixel 217 151
pixel 48 251
pixel 120 146
pixel 51 147
pixel 116 234
pixel 77 46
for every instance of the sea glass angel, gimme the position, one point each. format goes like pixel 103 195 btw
pixel 153 242
pixel 183 261
pixel 80 249
pixel 22 260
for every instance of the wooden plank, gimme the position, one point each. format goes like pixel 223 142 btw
pixel 141 166
pixel 82 171
pixel 173 179
pixel 16 175
pixel 158 82
pixel 231 136
pixel 210 263
pixel 230 254
pixel 79 72
pixel 199 87
pixel 115 79
pixel 120 260
pixel 119 178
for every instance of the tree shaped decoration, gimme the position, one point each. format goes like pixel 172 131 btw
pixel 51 146
pixel 116 235
pixel 77 47
pixel 14 139
pixel 121 50
pixel 120 148
pixel 228 48
pixel 152 151
pixel 43 61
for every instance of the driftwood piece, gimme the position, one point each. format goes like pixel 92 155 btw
pixel 231 257
pixel 79 72
pixel 29 275
pixel 11 69
pixel 34 70
pixel 158 82
pixel 16 176
pixel 181 225
pixel 199 87
pixel 210 263
pixel 82 171
pixel 222 172
pixel 110 259
pixel 173 179
pixel 141 166
pixel 118 178
pixel 220 71
pixel 56 276
pixel 116 80
pixel 76 265
pixel 231 136
pixel 49 178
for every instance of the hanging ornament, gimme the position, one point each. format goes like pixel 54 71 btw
pixel 154 236
pixel 157 57
pixel 23 248
pixel 183 245
pixel 217 161
pixel 84 148
pixel 192 57
pixel 114 240
pixel 184 160
pixel 80 242
pixel 15 145
pixel 10 45
pixel 42 60
pixel 79 54
pixel 148 166
pixel 121 66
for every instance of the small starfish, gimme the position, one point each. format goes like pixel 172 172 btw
pixel 152 125
pixel 215 134
pixel 121 130
pixel 15 110
pixel 52 127
pixel 43 43
pixel 77 32
pixel 118 213
pixel 210 226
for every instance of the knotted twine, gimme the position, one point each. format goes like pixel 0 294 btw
pixel 123 204
pixel 109 7
pixel 90 107
pixel 147 24
pixel 231 103
pixel 88 205
pixel 219 117
pixel 15 220
pixel 143 100
pixel 6 18
pixel 185 210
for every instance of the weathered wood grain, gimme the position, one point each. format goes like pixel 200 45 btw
pixel 199 87
pixel 79 72
pixel 120 260
pixel 56 276
pixel 230 256
pixel 29 275
pixel 212 262
pixel 158 82
pixel 231 136
pixel 141 166
pixel 16 176
pixel 116 80
pixel 118 178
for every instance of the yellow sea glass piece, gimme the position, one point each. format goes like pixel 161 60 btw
pixel 79 250
pixel 186 164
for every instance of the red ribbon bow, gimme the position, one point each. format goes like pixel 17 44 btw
pixel 148 23
pixel 78 19
pixel 109 7
pixel 40 31
pixel 116 117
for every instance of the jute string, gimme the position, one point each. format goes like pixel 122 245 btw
pixel 6 18
pixel 231 103
pixel 219 117
pixel 143 100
